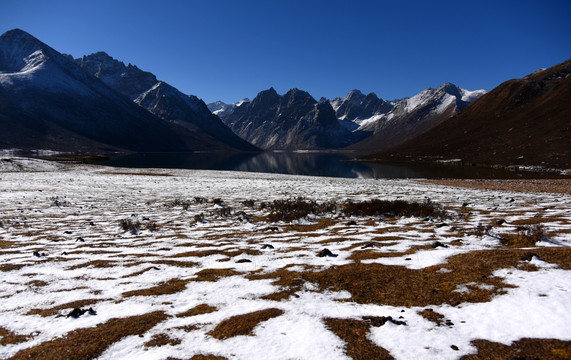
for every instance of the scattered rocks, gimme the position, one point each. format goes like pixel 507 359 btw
pixel 442 225
pixel 352 223
pixel 529 257
pixel 67 232
pixel 80 239
pixel 91 223
pixel 241 261
pixel 326 252
pixel 500 222
pixel 273 228
pixel 369 245
pixel 465 204
pixel 378 321
pixel 454 347
pixel 39 254
pixel 77 312
pixel 267 246
pixel 438 244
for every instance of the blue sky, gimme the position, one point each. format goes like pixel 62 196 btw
pixel 228 50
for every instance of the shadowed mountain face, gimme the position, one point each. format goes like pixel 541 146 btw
pixel 391 123
pixel 161 99
pixel 289 122
pixel 525 121
pixel 50 102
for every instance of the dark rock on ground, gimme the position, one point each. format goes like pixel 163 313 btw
pixel 378 321
pixel 326 252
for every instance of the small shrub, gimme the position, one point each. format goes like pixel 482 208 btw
pixel 199 200
pixel 393 208
pixel 298 208
pixel 152 226
pixel 481 229
pixel 527 236
pixel 59 203
pixel 129 225
pixel 185 204
pixel 223 212
pixel 249 203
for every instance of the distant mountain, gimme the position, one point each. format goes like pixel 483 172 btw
pixel 47 101
pixel 521 122
pixel 387 124
pixel 222 110
pixel 161 99
pixel 293 121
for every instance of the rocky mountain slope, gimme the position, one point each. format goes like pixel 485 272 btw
pixel 293 121
pixel 48 101
pixel 391 123
pixel 522 121
pixel 160 98
pixel 365 123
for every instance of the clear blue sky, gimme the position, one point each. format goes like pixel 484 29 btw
pixel 222 49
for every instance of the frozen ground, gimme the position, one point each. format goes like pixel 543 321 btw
pixel 61 247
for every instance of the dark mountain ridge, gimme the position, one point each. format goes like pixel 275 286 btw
pixel 521 122
pixel 49 102
pixel 293 121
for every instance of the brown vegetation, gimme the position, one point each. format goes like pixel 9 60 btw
pixel 354 333
pixel 89 343
pixel 171 286
pixel 243 324
pixel 198 310
pixel 545 349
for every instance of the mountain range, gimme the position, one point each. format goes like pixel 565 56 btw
pixel 51 101
pixel 523 121
pixel 357 122
pixel 96 103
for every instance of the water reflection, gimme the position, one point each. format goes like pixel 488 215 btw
pixel 301 163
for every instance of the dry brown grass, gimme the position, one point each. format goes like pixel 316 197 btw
pixel 243 324
pixel 171 286
pixel 11 267
pixel 207 357
pixel 198 310
pixel 162 340
pixel 99 264
pixel 70 305
pixel 182 264
pixel 354 333
pixel 399 286
pixel 545 349
pixel 7 337
pixel 432 316
pixel 89 343
pixel 216 252
pixel 214 274
pixel 558 186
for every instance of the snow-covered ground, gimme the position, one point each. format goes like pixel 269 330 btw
pixel 61 243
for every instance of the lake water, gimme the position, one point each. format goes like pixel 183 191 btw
pixel 305 163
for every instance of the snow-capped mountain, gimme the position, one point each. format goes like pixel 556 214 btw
pixel 222 110
pixel 521 122
pixel 391 123
pixel 160 98
pixel 294 121
pixel 49 102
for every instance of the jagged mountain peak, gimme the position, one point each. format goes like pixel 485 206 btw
pixel 20 51
pixel 127 79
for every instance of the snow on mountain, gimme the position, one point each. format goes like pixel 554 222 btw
pixel 294 121
pixel 160 98
pixel 222 110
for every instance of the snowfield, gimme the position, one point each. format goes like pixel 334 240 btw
pixel 191 258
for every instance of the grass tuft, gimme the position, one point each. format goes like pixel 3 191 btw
pixel 243 324
pixel 354 333
pixel 90 343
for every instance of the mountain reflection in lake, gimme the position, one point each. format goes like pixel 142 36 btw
pixel 302 163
